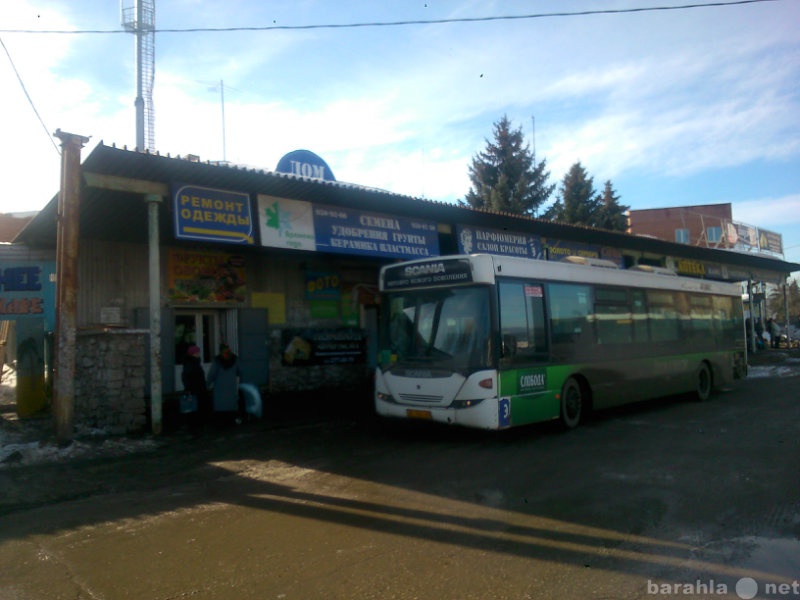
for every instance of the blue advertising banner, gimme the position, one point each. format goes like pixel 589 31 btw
pixel 211 215
pixel 347 231
pixel 473 240
pixel 28 290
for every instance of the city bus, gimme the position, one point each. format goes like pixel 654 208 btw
pixel 493 342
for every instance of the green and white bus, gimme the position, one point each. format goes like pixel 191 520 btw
pixel 494 342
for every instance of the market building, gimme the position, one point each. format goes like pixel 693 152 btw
pixel 282 265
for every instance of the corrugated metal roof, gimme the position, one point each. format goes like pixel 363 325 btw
pixel 20 252
pixel 122 216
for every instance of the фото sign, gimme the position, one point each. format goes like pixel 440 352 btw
pixel 211 215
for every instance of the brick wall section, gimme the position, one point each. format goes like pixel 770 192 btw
pixel 662 222
pixel 110 380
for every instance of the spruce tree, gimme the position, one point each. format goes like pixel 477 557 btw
pixel 505 176
pixel 611 214
pixel 577 203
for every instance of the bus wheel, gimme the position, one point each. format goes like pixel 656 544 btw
pixel 572 403
pixel 703 383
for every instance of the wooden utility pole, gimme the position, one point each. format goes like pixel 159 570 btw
pixel 67 283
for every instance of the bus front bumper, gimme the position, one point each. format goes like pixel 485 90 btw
pixel 483 415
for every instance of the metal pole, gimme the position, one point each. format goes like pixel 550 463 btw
pixel 222 100
pixel 139 102
pixel 786 307
pixel 153 201
pixel 67 284
pixel 751 297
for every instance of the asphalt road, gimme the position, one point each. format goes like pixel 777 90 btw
pixel 668 499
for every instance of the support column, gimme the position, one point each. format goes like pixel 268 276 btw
pixel 67 284
pixel 153 202
pixel 751 294
pixel 786 320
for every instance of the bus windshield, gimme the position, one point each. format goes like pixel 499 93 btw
pixel 445 328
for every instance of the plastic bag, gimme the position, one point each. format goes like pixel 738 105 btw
pixel 188 403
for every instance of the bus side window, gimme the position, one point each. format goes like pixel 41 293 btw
pixel 571 315
pixel 724 323
pixel 700 309
pixel 522 322
pixel 639 317
pixel 663 316
pixel 613 316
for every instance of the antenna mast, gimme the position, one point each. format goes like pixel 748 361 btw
pixel 140 20
pixel 222 102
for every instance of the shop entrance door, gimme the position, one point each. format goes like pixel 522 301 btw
pixel 200 328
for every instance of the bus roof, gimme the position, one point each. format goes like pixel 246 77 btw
pixel 486 268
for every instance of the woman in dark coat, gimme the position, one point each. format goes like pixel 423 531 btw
pixel 194 382
pixel 224 378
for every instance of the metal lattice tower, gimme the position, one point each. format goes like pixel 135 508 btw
pixel 140 20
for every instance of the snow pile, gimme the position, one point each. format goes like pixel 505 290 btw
pixel 14 452
pixel 21 442
pixel 790 369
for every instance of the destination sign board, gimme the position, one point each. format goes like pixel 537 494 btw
pixel 447 271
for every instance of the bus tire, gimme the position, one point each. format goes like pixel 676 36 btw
pixel 573 403
pixel 703 382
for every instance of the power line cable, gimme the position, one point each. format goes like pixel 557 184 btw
pixel 402 23
pixel 30 100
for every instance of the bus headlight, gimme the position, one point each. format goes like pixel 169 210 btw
pixel 384 397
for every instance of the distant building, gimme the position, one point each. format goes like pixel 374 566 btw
pixel 704 226
pixel 11 224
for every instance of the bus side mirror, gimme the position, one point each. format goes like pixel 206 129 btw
pixel 509 345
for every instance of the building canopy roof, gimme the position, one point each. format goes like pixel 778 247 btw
pixel 115 180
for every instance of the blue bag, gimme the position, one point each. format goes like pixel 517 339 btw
pixel 188 403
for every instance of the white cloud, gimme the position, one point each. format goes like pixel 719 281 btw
pixel 777 213
pixel 665 94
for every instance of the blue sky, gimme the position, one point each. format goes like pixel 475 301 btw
pixel 678 107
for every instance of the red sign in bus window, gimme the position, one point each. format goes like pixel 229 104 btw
pixel 534 291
